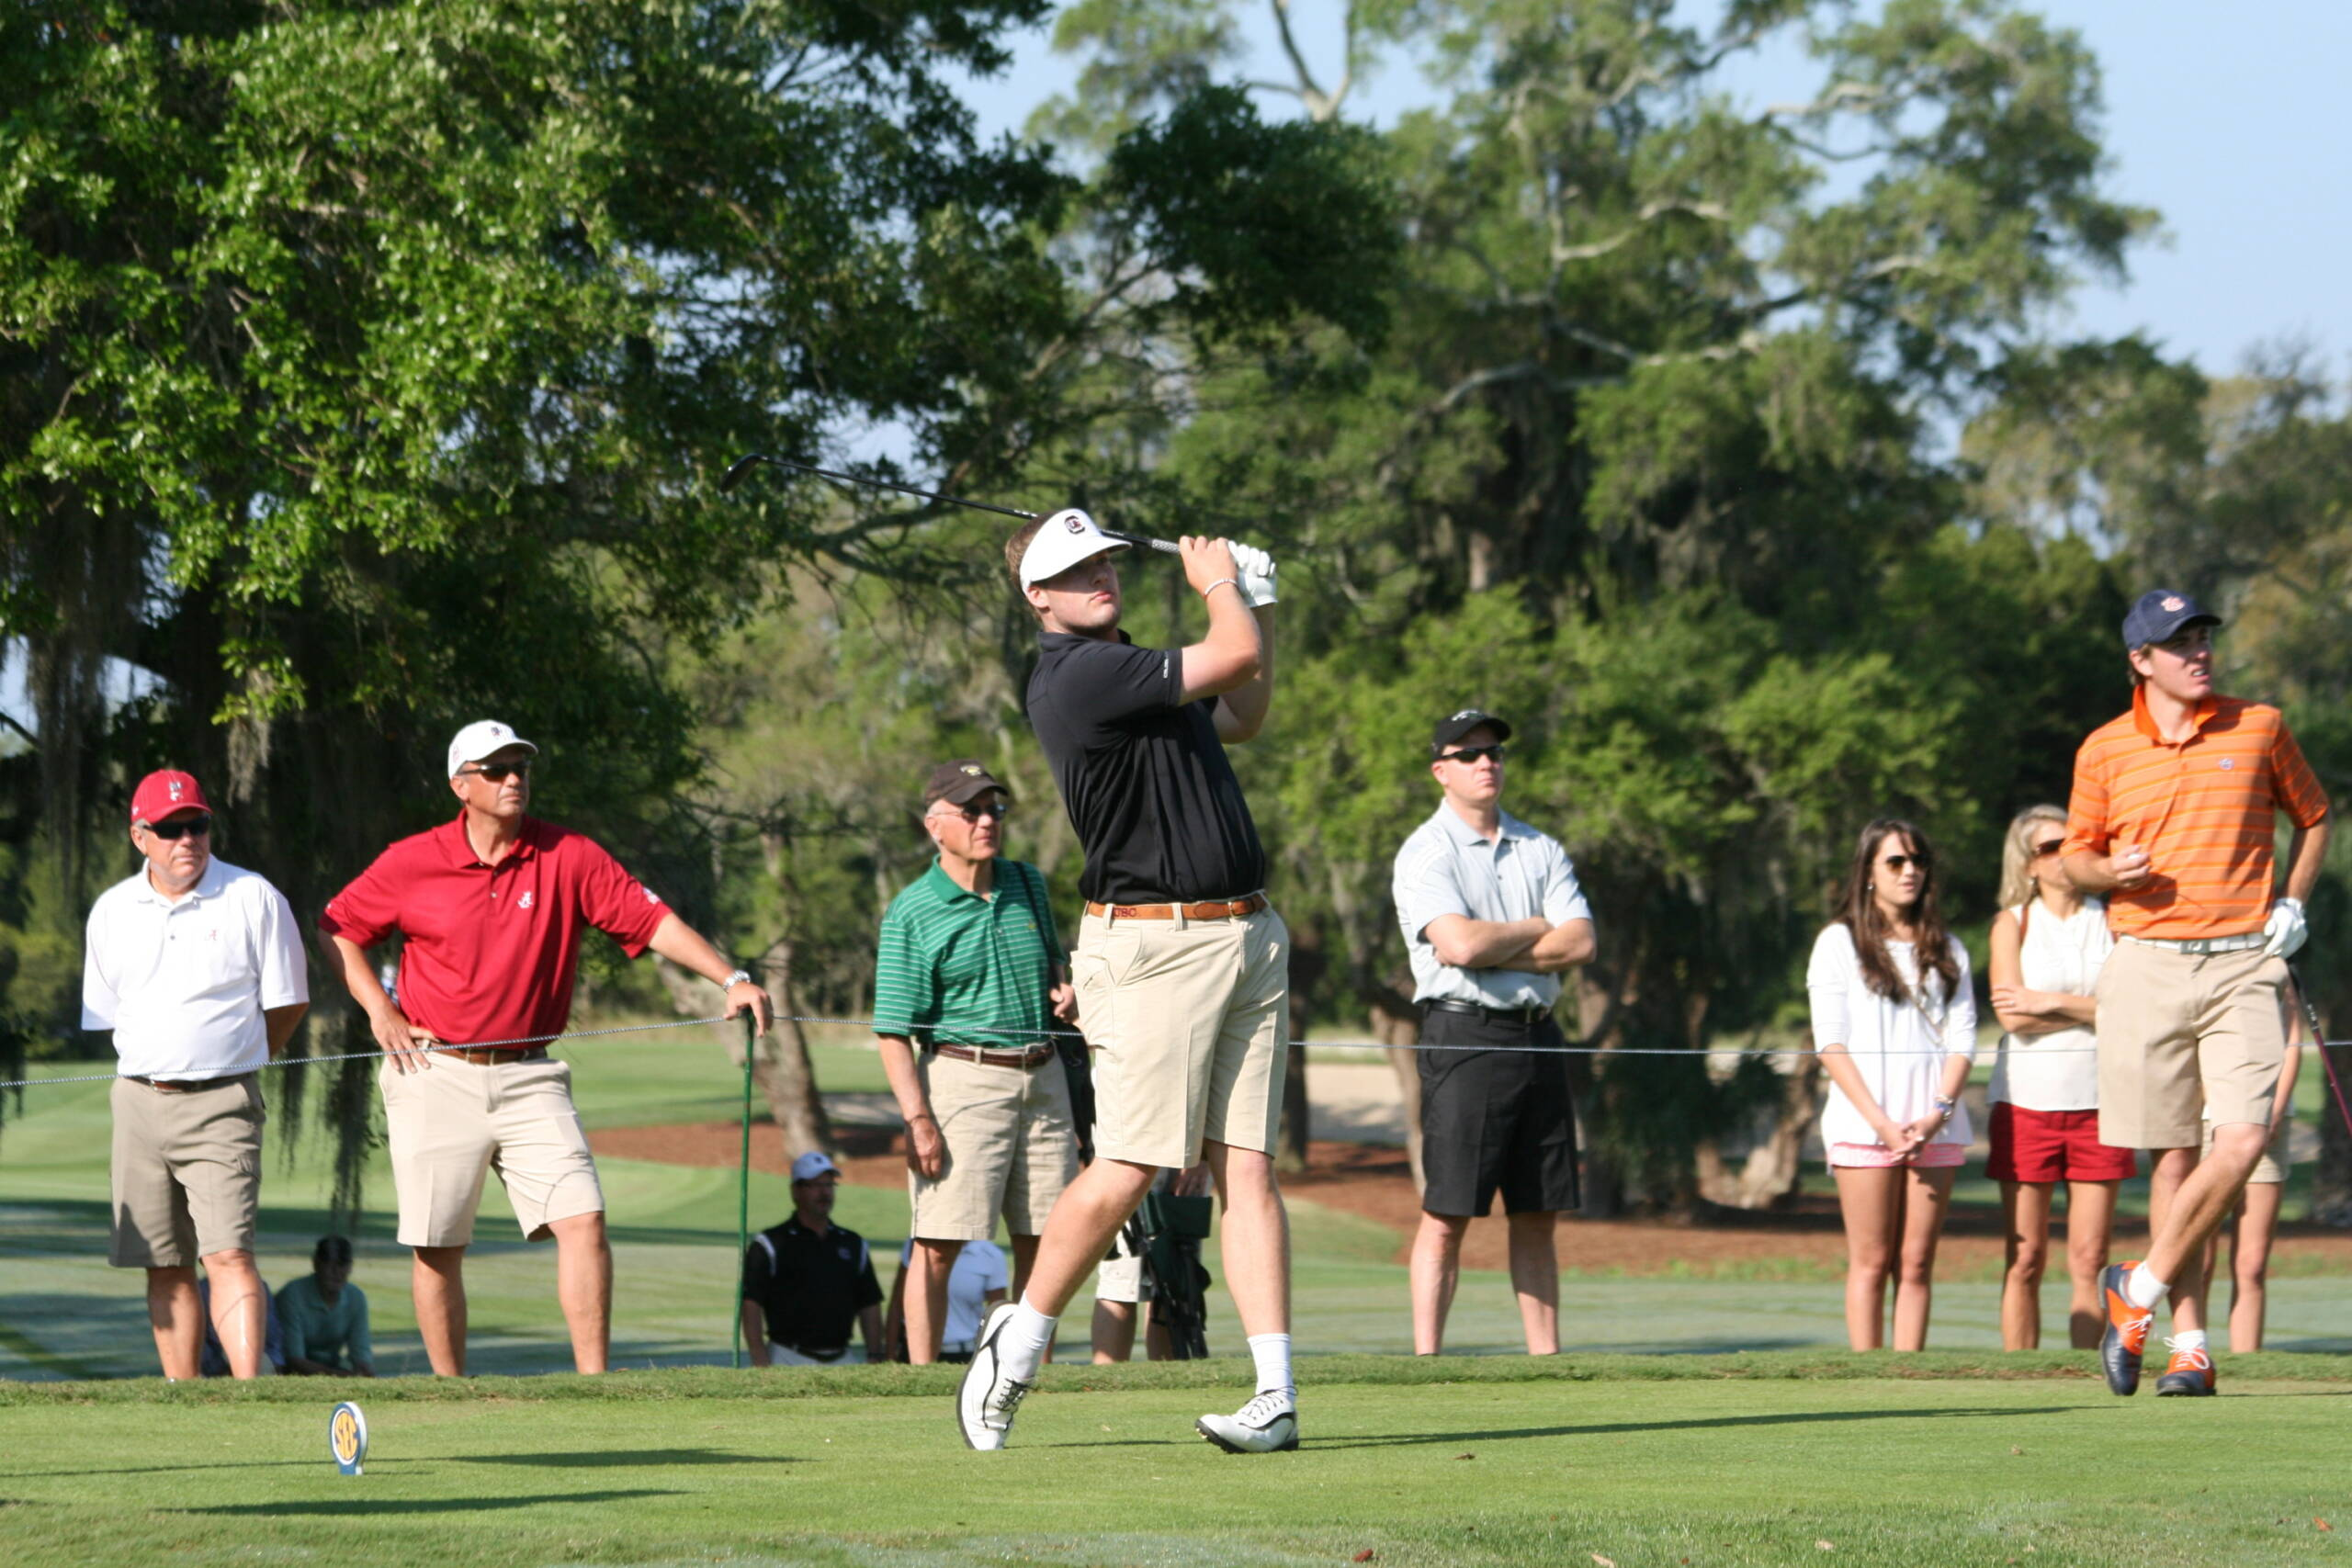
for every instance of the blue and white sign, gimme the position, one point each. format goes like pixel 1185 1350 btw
pixel 347 1437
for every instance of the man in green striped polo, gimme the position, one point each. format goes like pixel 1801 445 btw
pixel 969 975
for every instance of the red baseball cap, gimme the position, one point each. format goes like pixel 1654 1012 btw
pixel 164 793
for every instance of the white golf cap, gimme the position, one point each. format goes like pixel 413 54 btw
pixel 812 1165
pixel 484 738
pixel 1068 537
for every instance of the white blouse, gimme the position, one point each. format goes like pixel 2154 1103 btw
pixel 2057 1071
pixel 1901 1044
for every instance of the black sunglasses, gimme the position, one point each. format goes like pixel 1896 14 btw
pixel 985 809
pixel 1471 753
pixel 498 772
pixel 2049 847
pixel 171 831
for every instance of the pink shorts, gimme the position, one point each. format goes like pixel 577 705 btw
pixel 1878 1157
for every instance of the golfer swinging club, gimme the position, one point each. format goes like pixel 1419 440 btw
pixel 1181 965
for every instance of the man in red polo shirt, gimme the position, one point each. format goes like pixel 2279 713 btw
pixel 493 906
pixel 2175 810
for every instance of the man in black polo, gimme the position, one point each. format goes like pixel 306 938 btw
pixel 806 1279
pixel 1181 968
pixel 1492 914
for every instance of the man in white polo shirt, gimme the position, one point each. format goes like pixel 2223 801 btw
pixel 197 966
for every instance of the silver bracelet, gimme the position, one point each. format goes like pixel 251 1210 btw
pixel 1221 582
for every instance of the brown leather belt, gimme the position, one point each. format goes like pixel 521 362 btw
pixel 488 1055
pixel 187 1085
pixel 1028 1057
pixel 1227 911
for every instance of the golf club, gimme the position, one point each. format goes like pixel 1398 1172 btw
pixel 2319 1040
pixel 743 465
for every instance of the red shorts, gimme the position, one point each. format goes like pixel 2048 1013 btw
pixel 2053 1145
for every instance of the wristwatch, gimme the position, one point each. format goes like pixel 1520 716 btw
pixel 740 977
pixel 1944 1107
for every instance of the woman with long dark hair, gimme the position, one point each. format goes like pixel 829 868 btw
pixel 1894 1022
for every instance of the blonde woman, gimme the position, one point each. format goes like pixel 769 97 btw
pixel 1895 1021
pixel 2048 944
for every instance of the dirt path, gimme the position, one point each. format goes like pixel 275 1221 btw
pixel 1373 1181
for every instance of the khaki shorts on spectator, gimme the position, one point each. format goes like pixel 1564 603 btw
pixel 1012 1147
pixel 1188 1020
pixel 2185 1036
pixel 454 1122
pixel 187 1172
pixel 2270 1170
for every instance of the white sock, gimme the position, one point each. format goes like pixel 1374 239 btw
pixel 2143 1289
pixel 1021 1343
pixel 1271 1352
pixel 2188 1339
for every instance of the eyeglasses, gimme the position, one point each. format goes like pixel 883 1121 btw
pixel 197 826
pixel 2047 847
pixel 974 813
pixel 1471 754
pixel 499 772
pixel 1897 862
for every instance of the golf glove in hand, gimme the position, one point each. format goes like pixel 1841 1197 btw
pixel 1257 574
pixel 2285 929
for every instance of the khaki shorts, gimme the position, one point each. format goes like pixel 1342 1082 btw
pixel 1012 1147
pixel 1188 1020
pixel 2184 1035
pixel 453 1123
pixel 187 1172
pixel 2272 1168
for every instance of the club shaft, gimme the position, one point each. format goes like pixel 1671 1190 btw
pixel 743 465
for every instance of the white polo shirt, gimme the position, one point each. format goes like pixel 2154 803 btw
pixel 183 985
pixel 1448 868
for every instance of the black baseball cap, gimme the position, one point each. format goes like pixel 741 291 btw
pixel 1455 725
pixel 959 782
pixel 2162 615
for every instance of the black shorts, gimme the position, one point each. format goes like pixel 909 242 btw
pixel 1495 1118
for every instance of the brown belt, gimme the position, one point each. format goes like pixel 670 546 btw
pixel 187 1085
pixel 488 1055
pixel 1223 911
pixel 1028 1057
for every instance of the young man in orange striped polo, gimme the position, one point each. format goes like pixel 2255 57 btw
pixel 2173 813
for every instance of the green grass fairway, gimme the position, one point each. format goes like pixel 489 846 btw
pixel 1623 1461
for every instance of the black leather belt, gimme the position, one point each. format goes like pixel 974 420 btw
pixel 1523 1018
pixel 187 1085
pixel 827 1355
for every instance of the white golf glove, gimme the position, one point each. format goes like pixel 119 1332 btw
pixel 2285 928
pixel 1257 574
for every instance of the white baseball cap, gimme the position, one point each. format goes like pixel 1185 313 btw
pixel 1068 537
pixel 484 738
pixel 812 1165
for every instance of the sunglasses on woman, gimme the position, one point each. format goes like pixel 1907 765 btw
pixel 2047 847
pixel 1897 862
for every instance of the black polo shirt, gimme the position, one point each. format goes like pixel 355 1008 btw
pixel 810 1288
pixel 1142 773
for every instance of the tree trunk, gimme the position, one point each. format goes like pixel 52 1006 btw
pixel 1290 1149
pixel 1769 1176
pixel 2332 1180
pixel 792 1094
pixel 691 996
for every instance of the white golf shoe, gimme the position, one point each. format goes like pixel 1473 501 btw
pixel 1268 1423
pixel 986 1399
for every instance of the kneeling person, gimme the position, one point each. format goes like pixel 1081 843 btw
pixel 808 1279
pixel 969 965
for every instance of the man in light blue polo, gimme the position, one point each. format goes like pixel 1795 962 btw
pixel 1492 915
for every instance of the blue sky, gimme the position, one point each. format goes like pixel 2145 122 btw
pixel 2228 119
